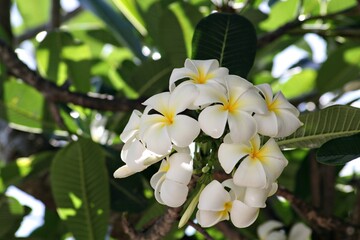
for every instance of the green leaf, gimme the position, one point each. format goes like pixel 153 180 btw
pixel 229 38
pixel 23 107
pixel 281 13
pixel 297 85
pixel 339 151
pixel 79 182
pixel 342 66
pixel 122 29
pixel 34 13
pixel 11 215
pixel 339 5
pixel 322 126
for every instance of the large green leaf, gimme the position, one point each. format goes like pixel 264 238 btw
pixel 342 66
pixel 122 29
pixel 34 13
pixel 24 107
pixel 321 126
pixel 229 38
pixel 340 150
pixel 339 5
pixel 79 182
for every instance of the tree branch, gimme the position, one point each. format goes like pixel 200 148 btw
pixel 314 217
pixel 158 230
pixel 5 18
pixel 45 27
pixel 286 28
pixel 55 14
pixel 55 93
pixel 201 230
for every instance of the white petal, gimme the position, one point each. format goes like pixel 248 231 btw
pixel 250 173
pixel 191 65
pixel 180 168
pixel 300 232
pixel 157 190
pixel 209 218
pixel 242 126
pixel 159 102
pixel 207 65
pixel 266 228
pixel 177 74
pixel 157 139
pixel 277 235
pixel 156 178
pixel 256 197
pixel 283 103
pixel 211 92
pixel 272 159
pixel 230 154
pixel 183 130
pixel 236 192
pixel 267 124
pixel 237 85
pixel 182 97
pixel 251 101
pixel 274 188
pixel 213 197
pixel 242 215
pixel 131 127
pixel 213 120
pixel 287 122
pixel 123 172
pixel 266 90
pixel 173 194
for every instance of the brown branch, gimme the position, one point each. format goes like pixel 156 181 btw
pixel 45 27
pixel 200 230
pixel 55 14
pixel 5 18
pixel 286 28
pixel 229 232
pixel 55 93
pixel 158 230
pixel 314 217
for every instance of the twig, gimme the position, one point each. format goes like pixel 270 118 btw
pixel 5 18
pixel 55 93
pixel 55 14
pixel 314 217
pixel 200 230
pixel 286 28
pixel 45 27
pixel 157 231
pixel 229 232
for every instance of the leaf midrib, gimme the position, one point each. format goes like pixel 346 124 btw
pixel 84 194
pixel 224 41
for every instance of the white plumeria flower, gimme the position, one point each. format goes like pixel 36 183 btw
pixel 216 204
pixel 159 131
pixel 233 106
pixel 170 182
pixel 282 118
pixel 271 230
pixel 201 73
pixel 260 167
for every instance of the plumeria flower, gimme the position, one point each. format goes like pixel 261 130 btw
pixel 282 118
pixel 134 154
pixel 159 131
pixel 200 73
pixel 233 106
pixel 170 182
pixel 271 230
pixel 260 167
pixel 216 204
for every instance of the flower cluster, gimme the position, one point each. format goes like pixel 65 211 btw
pixel 272 230
pixel 205 100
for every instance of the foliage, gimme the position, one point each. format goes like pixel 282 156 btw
pixel 127 49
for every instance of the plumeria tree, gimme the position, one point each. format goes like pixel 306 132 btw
pixel 200 119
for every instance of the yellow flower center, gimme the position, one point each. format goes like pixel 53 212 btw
pixel 227 208
pixel 168 118
pixel 201 78
pixel 273 105
pixel 230 105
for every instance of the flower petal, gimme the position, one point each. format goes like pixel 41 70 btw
pixel 123 172
pixel 154 180
pixel 250 173
pixel 180 168
pixel 131 127
pixel 177 74
pixel 283 103
pixel 182 97
pixel 157 139
pixel 242 215
pixel 267 124
pixel 230 154
pixel 266 228
pixel 237 85
pixel 211 92
pixel 288 123
pixel 300 232
pixel 183 130
pixel 208 202
pixel 173 194
pixel 251 101
pixel 266 91
pixel 242 126
pixel 213 120
pixel 209 218
pixel 159 102
pixel 256 197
